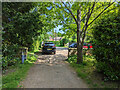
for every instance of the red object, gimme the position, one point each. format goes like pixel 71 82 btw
pixel 91 46
pixel 85 46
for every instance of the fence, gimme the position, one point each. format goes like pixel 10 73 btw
pixel 73 51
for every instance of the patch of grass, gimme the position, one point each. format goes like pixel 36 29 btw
pixel 81 74
pixel 12 80
pixel 95 85
pixel 102 83
pixel 87 71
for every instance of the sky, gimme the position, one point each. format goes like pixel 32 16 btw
pixel 57 29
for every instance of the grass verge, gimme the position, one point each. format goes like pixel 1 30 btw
pixel 12 79
pixel 87 71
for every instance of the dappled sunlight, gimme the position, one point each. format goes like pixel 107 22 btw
pixel 50 59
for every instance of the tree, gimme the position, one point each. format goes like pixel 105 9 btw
pixel 13 12
pixel 25 23
pixel 83 14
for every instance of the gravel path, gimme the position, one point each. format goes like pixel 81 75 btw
pixel 51 71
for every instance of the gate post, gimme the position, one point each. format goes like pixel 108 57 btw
pixel 23 52
pixel 68 49
pixel 23 58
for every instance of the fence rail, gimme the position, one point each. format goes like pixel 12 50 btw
pixel 73 51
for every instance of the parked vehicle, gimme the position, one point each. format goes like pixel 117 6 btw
pixel 85 45
pixel 49 47
pixel 73 45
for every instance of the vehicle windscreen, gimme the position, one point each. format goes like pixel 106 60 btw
pixel 49 44
pixel 73 44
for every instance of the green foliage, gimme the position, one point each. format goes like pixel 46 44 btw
pixel 63 41
pixel 10 52
pixel 72 59
pixel 22 28
pixel 109 71
pixel 106 33
pixel 9 61
pixel 88 60
pixel 84 69
pixel 31 58
pixel 87 71
pixel 24 25
pixel 12 80
pixel 12 60
pixel 57 43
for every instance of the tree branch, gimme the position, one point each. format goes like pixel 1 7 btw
pixel 69 4
pixel 88 15
pixel 100 14
pixel 86 25
pixel 70 11
pixel 61 8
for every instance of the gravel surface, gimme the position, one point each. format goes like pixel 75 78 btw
pixel 51 71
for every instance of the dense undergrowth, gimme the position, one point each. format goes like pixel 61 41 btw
pixel 88 71
pixel 106 36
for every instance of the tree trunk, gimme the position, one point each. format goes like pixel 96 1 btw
pixel 79 38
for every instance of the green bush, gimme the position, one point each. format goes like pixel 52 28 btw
pixel 31 58
pixel 106 33
pixel 72 59
pixel 57 43
pixel 9 50
pixel 109 71
pixel 63 41
pixel 9 61
pixel 9 55
pixel 86 60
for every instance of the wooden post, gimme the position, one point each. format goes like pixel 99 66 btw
pixel 68 50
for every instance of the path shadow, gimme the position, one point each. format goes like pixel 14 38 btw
pixel 40 53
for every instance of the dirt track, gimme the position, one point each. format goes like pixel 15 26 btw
pixel 51 71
